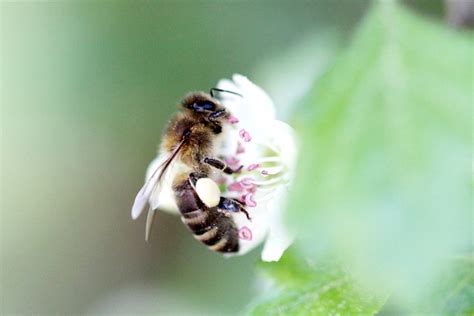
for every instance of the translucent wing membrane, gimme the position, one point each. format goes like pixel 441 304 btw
pixel 153 186
pixel 143 196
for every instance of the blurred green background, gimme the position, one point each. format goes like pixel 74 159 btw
pixel 86 88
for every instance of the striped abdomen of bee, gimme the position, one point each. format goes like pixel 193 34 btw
pixel 208 225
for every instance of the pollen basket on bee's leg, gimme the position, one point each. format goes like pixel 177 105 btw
pixel 208 191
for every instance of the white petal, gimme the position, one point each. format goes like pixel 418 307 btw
pixel 230 137
pixel 260 101
pixel 256 114
pixel 255 109
pixel 276 245
pixel 278 239
pixel 284 140
pixel 259 226
pixel 267 224
pixel 228 85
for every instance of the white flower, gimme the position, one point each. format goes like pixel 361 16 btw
pixel 266 148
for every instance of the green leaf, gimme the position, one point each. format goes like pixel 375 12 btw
pixel 293 271
pixel 384 178
pixel 453 292
pixel 314 289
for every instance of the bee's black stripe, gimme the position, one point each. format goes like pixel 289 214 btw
pixel 208 225
pixel 195 217
pixel 200 223
pixel 211 237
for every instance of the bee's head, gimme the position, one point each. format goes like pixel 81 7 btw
pixel 207 108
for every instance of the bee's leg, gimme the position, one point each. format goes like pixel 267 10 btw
pixel 232 206
pixel 219 164
pixel 195 176
pixel 206 189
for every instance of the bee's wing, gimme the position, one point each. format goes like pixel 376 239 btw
pixel 153 184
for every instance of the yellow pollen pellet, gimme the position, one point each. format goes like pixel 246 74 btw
pixel 208 192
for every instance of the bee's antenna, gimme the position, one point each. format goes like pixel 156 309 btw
pixel 211 92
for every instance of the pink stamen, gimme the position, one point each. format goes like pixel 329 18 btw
pixel 221 180
pixel 233 162
pixel 245 233
pixel 233 120
pixel 245 135
pixel 253 166
pixel 264 173
pixel 252 188
pixel 247 182
pixel 240 148
pixel 236 187
pixel 248 199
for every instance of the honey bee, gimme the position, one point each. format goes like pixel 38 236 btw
pixel 188 158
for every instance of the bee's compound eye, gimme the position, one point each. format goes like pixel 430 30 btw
pixel 208 191
pixel 204 106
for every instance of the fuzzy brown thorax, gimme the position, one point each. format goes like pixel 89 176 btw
pixel 202 118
